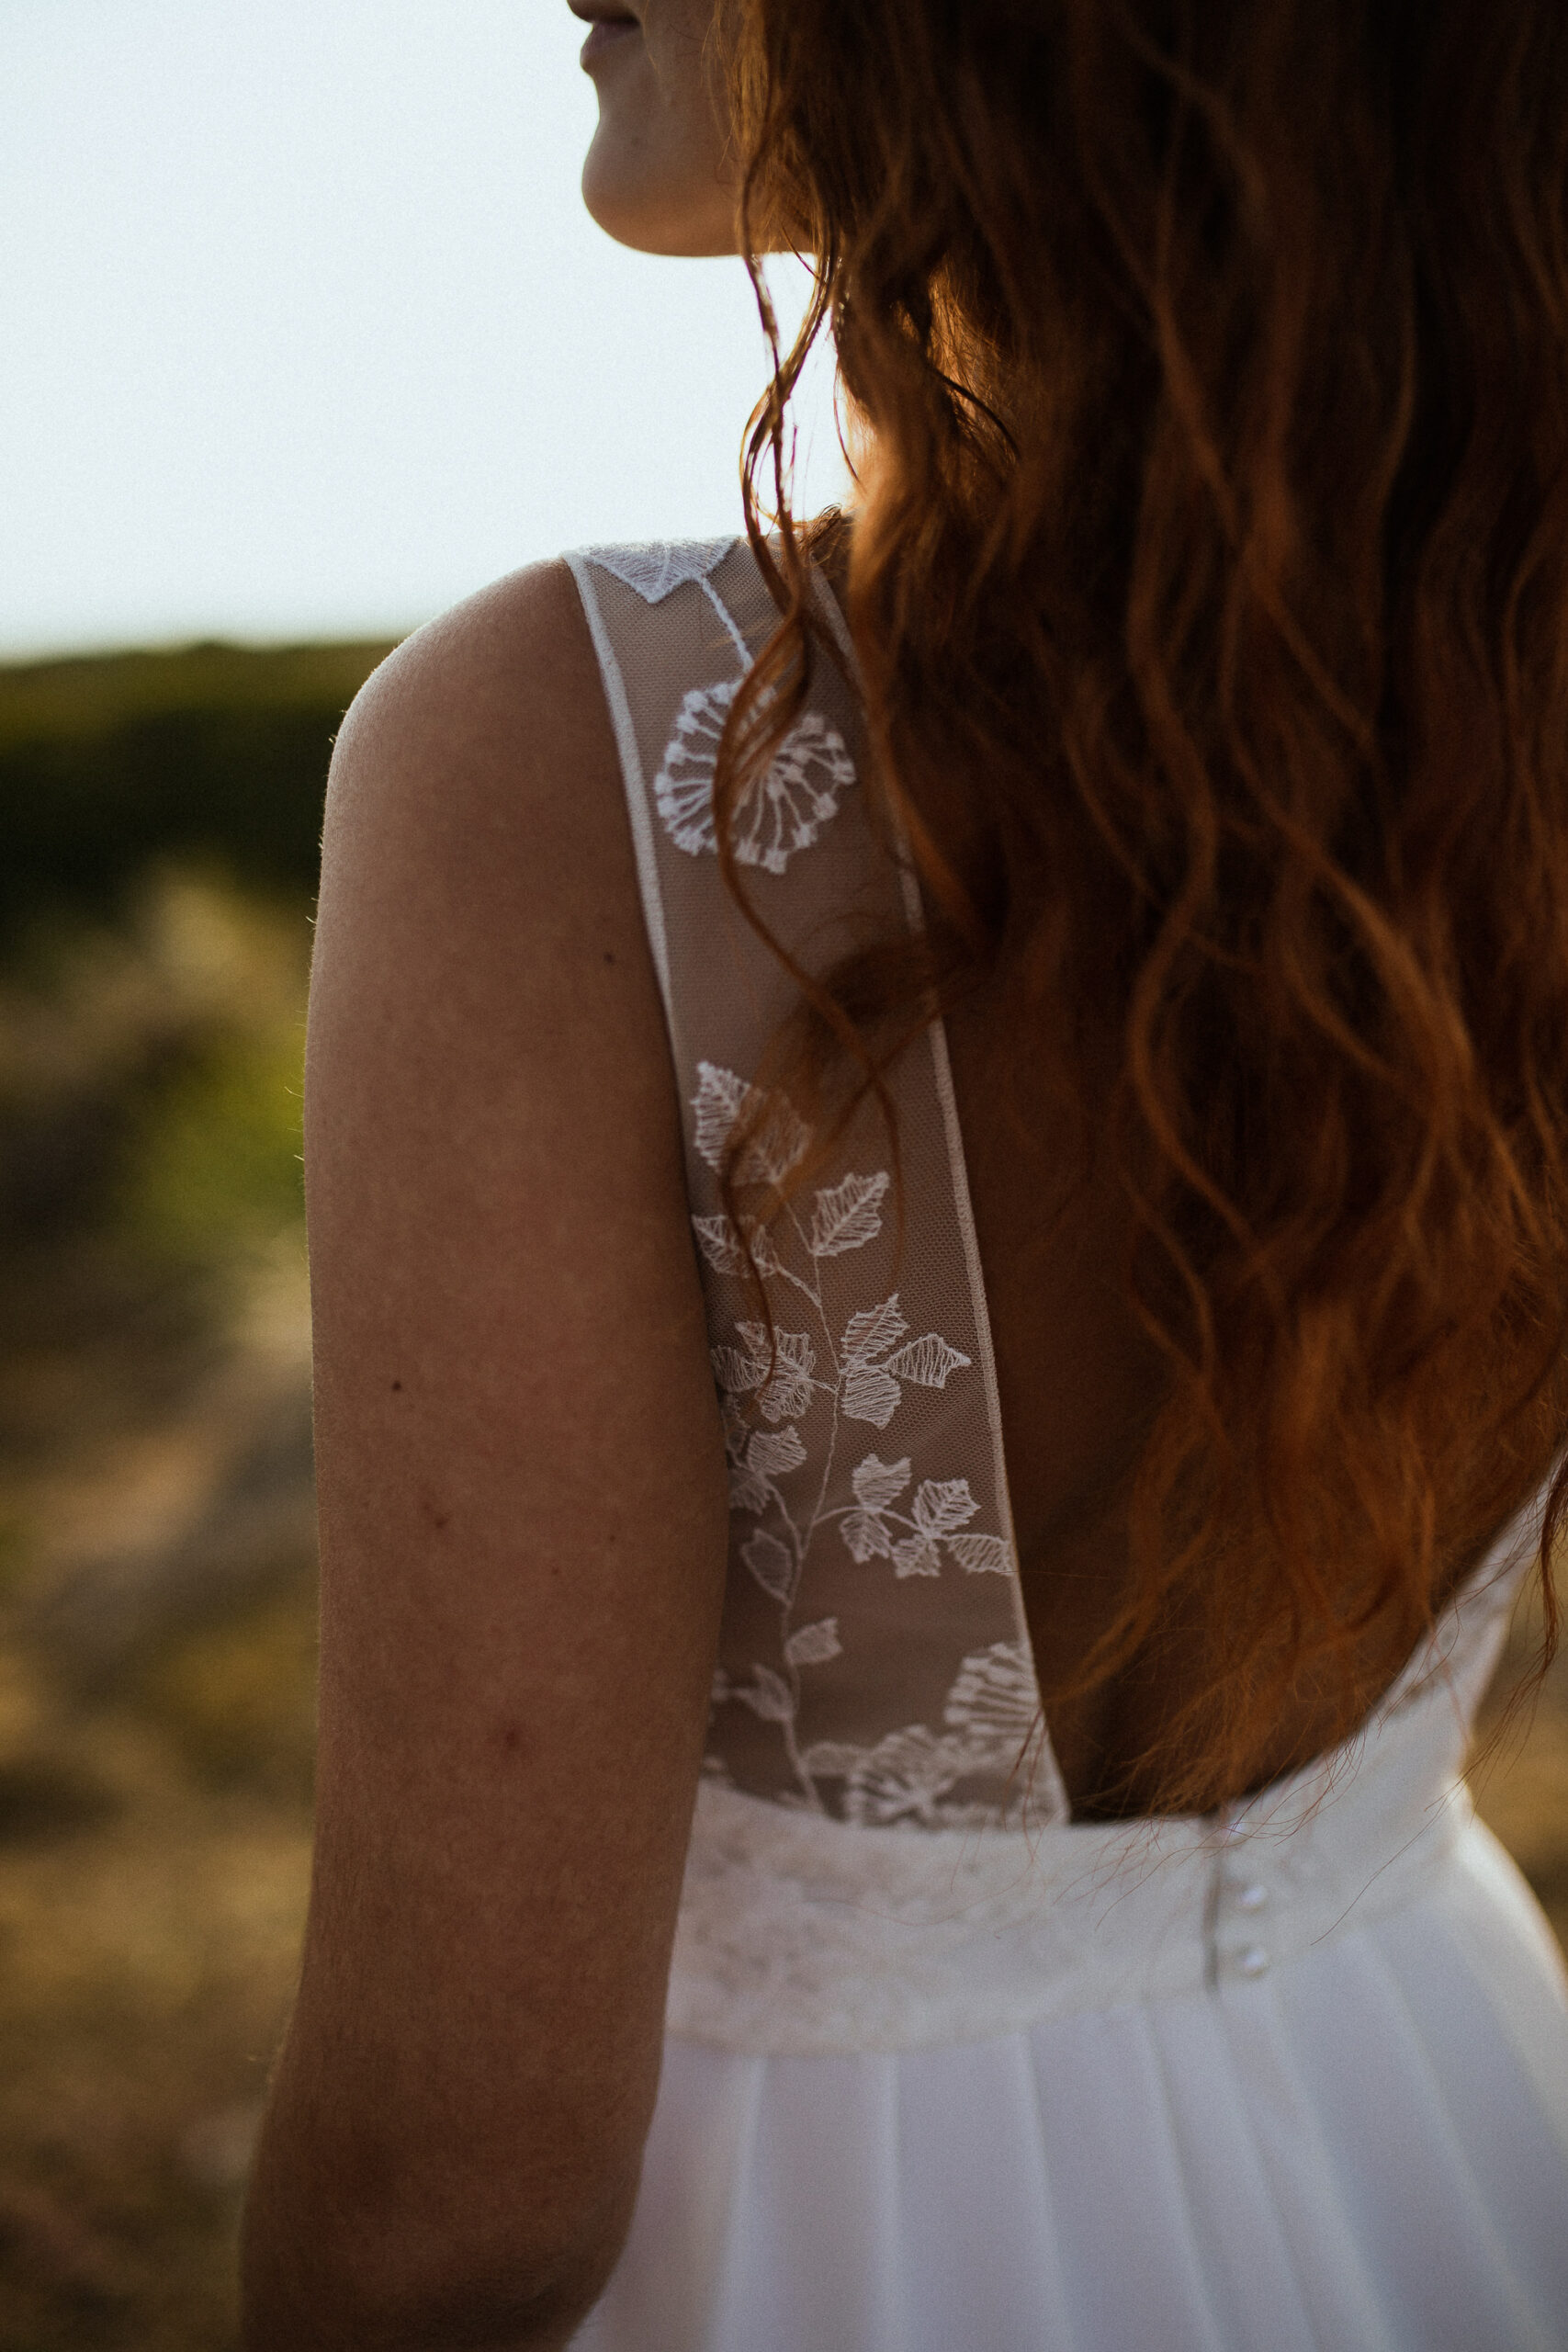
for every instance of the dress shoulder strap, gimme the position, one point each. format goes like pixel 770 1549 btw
pixel 875 1661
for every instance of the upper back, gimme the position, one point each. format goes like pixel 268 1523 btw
pixel 929 1490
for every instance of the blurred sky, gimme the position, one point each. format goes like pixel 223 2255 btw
pixel 303 330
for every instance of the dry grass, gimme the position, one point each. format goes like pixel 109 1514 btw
pixel 156 1611
pixel 150 1950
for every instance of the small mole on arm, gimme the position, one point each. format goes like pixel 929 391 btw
pixel 608 957
pixel 397 1388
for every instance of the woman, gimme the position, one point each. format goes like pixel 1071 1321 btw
pixel 1172 1336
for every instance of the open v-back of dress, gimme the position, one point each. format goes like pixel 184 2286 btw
pixel 946 2071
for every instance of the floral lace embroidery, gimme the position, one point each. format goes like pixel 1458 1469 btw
pixel 992 1714
pixel 875 1664
pixel 797 797
pixel 657 568
pixel 858 1371
pixel 778 813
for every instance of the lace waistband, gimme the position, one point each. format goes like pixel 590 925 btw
pixel 804 1935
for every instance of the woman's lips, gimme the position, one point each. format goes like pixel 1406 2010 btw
pixel 607 35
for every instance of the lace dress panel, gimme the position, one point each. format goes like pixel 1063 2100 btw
pixel 875 1665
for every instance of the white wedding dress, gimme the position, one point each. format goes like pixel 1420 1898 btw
pixel 944 2072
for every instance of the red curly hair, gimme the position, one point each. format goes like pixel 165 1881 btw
pixel 1209 360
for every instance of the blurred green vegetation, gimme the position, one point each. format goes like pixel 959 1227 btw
pixel 161 814
pixel 215 756
pixel 212 1155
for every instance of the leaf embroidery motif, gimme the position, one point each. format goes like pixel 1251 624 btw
pixel 781 1136
pixel 878 1485
pixel 769 1696
pixel 914 1774
pixel 981 1554
pixel 815 1645
pixel 771 1562
pixel 870 1395
pixel 786 1389
pixel 778 813
pixel 873 1330
pixel 870 1389
pixel 943 1505
pixel 928 1361
pixel 847 1215
pixel 748 1491
pixel 771 1453
pixel 721 1245
pixel 866 1535
pixel 754 1464
pixel 778 1143
pixel 916 1556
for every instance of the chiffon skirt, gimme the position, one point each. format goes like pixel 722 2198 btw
pixel 1357 2146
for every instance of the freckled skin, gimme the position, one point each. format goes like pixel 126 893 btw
pixel 497 1193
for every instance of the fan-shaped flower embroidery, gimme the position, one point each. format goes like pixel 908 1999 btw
pixel 994 1703
pixel 992 1710
pixel 778 813
pixel 905 1777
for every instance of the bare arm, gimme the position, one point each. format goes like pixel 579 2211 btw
pixel 523 1517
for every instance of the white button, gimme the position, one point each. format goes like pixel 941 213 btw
pixel 1254 1961
pixel 1252 1898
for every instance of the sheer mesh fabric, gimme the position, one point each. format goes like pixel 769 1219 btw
pixel 875 1665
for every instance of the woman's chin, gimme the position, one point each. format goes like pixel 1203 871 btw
pixel 649 211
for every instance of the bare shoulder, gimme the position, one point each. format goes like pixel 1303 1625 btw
pixel 485 732
pixel 522 1511
pixel 482 980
